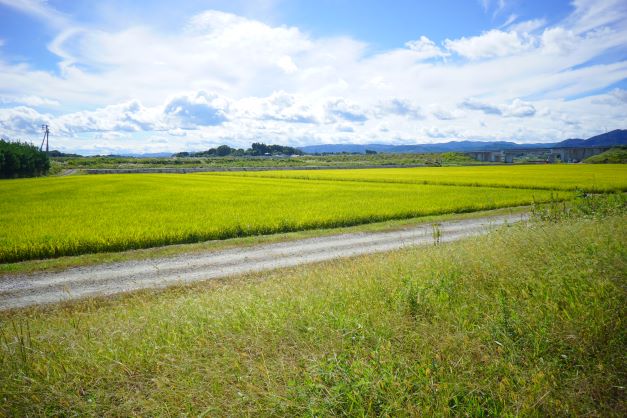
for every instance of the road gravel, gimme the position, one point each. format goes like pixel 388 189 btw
pixel 107 279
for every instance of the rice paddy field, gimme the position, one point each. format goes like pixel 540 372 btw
pixel 524 321
pixel 52 217
pixel 589 178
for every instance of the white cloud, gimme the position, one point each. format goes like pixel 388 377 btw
pixel 591 14
pixel 342 109
pixel 38 9
pixel 488 109
pixel 287 65
pixel 200 109
pixel 494 43
pixel 620 95
pixel 398 107
pixel 442 113
pixel 510 19
pixel 527 26
pixel 425 48
pixel 559 41
pixel 517 108
pixel 33 101
pixel 22 120
pixel 279 106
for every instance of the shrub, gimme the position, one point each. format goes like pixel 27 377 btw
pixel 19 159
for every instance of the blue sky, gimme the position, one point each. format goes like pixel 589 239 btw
pixel 148 76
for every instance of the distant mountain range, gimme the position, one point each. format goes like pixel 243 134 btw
pixel 609 139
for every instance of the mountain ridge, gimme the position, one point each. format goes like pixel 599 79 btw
pixel 616 137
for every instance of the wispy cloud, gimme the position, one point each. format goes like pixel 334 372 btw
pixel 39 9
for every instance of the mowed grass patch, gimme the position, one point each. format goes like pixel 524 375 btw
pixel 591 178
pixel 52 217
pixel 526 321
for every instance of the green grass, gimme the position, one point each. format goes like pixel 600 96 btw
pixel 611 156
pixel 52 217
pixel 526 321
pixel 62 263
pixel 592 178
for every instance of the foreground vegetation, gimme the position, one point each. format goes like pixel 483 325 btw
pixel 52 217
pixel 524 321
pixel 591 178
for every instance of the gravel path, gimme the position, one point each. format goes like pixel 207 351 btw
pixel 108 279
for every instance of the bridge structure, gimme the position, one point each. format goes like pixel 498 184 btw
pixel 549 154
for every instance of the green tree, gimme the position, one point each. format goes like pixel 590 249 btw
pixel 19 159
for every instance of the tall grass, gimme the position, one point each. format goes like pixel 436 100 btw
pixel 52 217
pixel 590 178
pixel 527 321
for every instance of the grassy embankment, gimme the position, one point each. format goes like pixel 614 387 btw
pixel 524 321
pixel 612 156
pixel 449 158
pixel 52 217
pixel 591 178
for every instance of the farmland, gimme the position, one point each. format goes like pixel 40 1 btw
pixel 51 217
pixel 592 178
pixel 524 321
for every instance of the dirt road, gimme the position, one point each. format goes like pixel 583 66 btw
pixel 108 279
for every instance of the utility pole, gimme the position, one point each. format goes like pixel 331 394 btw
pixel 45 139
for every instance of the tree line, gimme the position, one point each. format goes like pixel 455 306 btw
pixel 256 149
pixel 20 159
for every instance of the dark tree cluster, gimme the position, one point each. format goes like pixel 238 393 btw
pixel 256 149
pixel 59 154
pixel 19 159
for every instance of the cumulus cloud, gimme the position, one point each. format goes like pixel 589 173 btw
pixel 559 41
pixel 125 117
pixel 287 65
pixel 519 109
pixel 343 109
pixel 494 43
pixel 399 107
pixel 425 48
pixel 200 109
pixel 22 119
pixel 442 113
pixel 279 106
